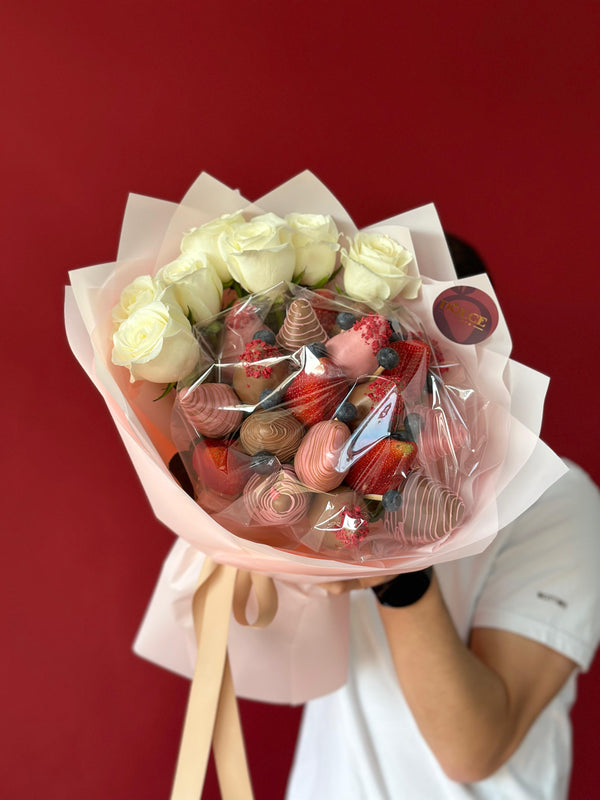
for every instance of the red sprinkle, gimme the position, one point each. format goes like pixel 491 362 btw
pixel 257 350
pixel 240 317
pixel 348 535
pixel 380 388
pixel 375 330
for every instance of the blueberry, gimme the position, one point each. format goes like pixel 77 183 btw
pixel 345 320
pixel 392 500
pixel 346 412
pixel 263 462
pixel 402 435
pixel 387 358
pixel 397 337
pixel 318 349
pixel 265 335
pixel 269 399
pixel 413 423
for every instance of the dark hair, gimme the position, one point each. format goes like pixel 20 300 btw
pixel 466 259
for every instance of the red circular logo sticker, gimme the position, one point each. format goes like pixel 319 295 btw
pixel 465 315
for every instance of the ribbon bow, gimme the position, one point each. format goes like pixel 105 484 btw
pixel 212 713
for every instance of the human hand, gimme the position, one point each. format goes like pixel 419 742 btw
pixel 395 591
pixel 341 587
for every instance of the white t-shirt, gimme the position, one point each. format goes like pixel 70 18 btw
pixel 539 578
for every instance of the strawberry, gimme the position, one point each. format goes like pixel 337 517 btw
pixel 326 316
pixel 316 392
pixel 436 353
pixel 383 467
pixel 221 466
pixel 386 389
pixel 413 361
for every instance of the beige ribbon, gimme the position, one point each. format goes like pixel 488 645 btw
pixel 212 713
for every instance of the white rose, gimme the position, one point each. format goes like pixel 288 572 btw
pixel 375 269
pixel 315 239
pixel 139 292
pixel 259 253
pixel 205 239
pixel 156 343
pixel 193 284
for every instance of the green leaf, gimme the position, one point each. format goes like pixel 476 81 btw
pixel 168 388
pixel 374 509
pixel 324 281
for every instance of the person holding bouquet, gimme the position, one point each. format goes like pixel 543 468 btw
pixel 290 365
pixel 461 679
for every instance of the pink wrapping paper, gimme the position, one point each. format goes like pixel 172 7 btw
pixel 275 664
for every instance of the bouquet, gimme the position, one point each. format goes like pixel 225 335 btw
pixel 320 425
pixel 302 402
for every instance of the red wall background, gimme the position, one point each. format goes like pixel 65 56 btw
pixel 488 109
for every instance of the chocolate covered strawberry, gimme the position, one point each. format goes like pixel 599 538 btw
pixel 383 467
pixel 413 363
pixel 318 389
pixel 383 394
pixel 262 367
pixel 355 349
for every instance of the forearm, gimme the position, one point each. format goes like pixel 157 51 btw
pixel 460 705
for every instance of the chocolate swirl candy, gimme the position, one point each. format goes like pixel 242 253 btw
pixel 429 512
pixel 300 326
pixel 211 408
pixel 277 499
pixel 278 432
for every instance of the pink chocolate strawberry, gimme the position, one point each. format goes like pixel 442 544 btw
pixel 383 467
pixel 316 392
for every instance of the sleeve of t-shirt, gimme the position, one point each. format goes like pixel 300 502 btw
pixel 545 582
